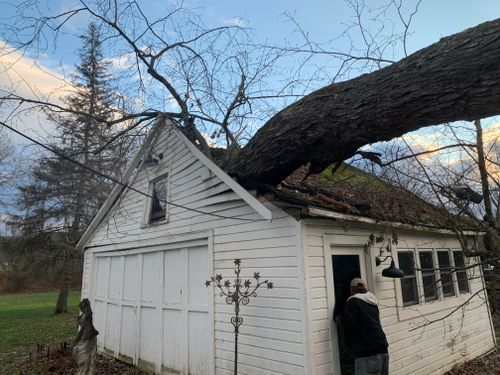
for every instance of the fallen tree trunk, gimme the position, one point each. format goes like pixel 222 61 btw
pixel 457 78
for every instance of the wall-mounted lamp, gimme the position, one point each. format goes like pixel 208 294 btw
pixel 464 192
pixel 150 161
pixel 391 271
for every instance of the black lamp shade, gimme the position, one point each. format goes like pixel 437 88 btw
pixel 393 272
pixel 150 161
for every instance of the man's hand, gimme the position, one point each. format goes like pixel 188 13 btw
pixel 338 320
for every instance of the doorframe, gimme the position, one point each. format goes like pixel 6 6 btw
pixel 338 244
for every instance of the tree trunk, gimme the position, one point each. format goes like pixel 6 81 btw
pixel 457 78
pixel 62 299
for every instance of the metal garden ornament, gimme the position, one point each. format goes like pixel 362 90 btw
pixel 238 293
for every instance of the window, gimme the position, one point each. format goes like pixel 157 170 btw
pixel 440 274
pixel 158 205
pixel 409 281
pixel 463 284
pixel 428 275
pixel 445 273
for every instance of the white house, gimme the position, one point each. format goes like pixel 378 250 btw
pixel 146 263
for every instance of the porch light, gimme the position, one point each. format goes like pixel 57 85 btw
pixel 150 161
pixel 467 194
pixel 392 271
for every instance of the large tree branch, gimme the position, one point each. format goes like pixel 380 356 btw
pixel 457 78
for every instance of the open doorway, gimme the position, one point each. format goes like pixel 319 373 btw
pixel 346 264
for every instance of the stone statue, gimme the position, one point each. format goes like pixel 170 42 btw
pixel 85 344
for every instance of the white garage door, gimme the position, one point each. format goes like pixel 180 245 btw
pixel 152 309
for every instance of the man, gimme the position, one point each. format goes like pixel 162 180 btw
pixel 364 336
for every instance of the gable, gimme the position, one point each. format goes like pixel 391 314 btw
pixel 197 187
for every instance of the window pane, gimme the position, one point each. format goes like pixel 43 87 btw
pixel 409 290
pixel 430 290
pixel 426 262
pixel 428 275
pixel 406 263
pixel 445 271
pixel 463 284
pixel 158 202
pixel 409 281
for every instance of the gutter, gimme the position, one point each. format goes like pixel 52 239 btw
pixel 323 213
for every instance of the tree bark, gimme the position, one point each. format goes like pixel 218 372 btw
pixel 457 78
pixel 62 298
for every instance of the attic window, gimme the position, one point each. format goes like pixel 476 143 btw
pixel 158 205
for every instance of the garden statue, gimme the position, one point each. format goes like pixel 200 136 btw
pixel 85 345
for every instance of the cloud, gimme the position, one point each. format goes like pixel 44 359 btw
pixel 236 21
pixel 172 105
pixel 423 142
pixel 122 62
pixel 491 134
pixel 491 141
pixel 26 77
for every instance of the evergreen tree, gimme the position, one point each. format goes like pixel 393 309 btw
pixel 63 196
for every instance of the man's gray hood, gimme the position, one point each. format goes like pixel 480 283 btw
pixel 368 297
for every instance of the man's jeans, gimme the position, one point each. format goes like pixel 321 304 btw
pixel 377 364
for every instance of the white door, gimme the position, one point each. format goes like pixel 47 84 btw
pixel 186 322
pixel 153 308
pixel 343 264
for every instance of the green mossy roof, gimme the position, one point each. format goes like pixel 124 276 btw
pixel 350 190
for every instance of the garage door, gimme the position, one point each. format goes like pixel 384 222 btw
pixel 152 309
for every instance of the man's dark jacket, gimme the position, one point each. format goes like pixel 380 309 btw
pixel 360 320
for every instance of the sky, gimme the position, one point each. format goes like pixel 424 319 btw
pixel 322 20
pixel 325 19
pixel 44 72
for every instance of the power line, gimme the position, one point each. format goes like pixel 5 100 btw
pixel 124 185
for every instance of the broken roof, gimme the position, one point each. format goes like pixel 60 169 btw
pixel 352 191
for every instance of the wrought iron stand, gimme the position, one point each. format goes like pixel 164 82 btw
pixel 238 294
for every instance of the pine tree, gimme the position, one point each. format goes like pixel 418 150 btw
pixel 63 196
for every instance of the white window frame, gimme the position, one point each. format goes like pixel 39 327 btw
pixel 453 279
pixel 420 274
pixel 442 302
pixel 418 286
pixel 455 274
pixel 158 174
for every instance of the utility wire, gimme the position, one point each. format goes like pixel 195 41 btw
pixel 124 185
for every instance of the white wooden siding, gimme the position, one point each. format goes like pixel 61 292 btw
pixel 433 349
pixel 86 275
pixel 272 335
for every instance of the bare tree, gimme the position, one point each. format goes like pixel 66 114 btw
pixel 216 81
pixel 210 79
pixel 6 150
pixel 213 81
pixel 457 168
pixel 451 80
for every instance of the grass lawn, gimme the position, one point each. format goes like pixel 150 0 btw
pixel 28 319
